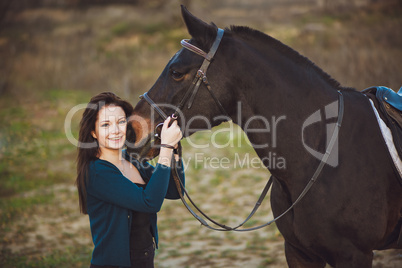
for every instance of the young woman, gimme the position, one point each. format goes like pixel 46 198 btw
pixel 121 195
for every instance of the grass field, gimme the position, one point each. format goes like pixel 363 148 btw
pixel 55 59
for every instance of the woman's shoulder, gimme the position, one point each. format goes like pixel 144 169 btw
pixel 102 170
pixel 99 165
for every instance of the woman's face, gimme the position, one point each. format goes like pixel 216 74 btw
pixel 111 127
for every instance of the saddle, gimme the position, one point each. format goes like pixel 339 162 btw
pixel 389 106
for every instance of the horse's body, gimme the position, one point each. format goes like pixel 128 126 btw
pixel 356 202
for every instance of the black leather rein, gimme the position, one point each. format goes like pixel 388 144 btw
pixel 189 97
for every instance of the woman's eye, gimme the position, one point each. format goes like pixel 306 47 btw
pixel 177 76
pixel 122 121
pixel 105 125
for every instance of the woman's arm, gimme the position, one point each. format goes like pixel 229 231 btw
pixel 108 184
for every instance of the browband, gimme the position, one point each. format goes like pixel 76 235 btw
pixel 196 50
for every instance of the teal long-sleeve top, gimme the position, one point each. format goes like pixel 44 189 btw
pixel 110 199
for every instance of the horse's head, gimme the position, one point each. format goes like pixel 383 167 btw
pixel 181 91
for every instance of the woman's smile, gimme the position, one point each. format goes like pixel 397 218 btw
pixel 116 139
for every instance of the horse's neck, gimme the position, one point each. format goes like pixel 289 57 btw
pixel 273 120
pixel 282 90
pixel 281 77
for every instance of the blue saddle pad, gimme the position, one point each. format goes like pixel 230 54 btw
pixel 390 96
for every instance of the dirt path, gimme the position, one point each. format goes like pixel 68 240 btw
pixel 184 243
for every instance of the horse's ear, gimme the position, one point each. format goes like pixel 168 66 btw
pixel 197 28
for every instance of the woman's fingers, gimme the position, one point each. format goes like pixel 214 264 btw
pixel 166 123
pixel 171 134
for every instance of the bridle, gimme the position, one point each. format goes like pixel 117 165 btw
pixel 201 76
pixel 189 97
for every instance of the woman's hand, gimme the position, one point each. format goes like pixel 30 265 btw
pixel 170 135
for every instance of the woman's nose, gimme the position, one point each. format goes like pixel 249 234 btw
pixel 115 128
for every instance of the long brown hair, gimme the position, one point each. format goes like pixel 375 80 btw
pixel 88 147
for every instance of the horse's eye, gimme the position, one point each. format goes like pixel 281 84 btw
pixel 177 76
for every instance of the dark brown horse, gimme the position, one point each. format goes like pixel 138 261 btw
pixel 288 107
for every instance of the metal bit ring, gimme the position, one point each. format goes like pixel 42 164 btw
pixel 156 132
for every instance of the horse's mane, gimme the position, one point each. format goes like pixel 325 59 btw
pixel 248 32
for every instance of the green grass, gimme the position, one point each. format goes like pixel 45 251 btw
pixel 68 257
pixel 31 146
pixel 30 153
pixel 122 28
pixel 15 206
